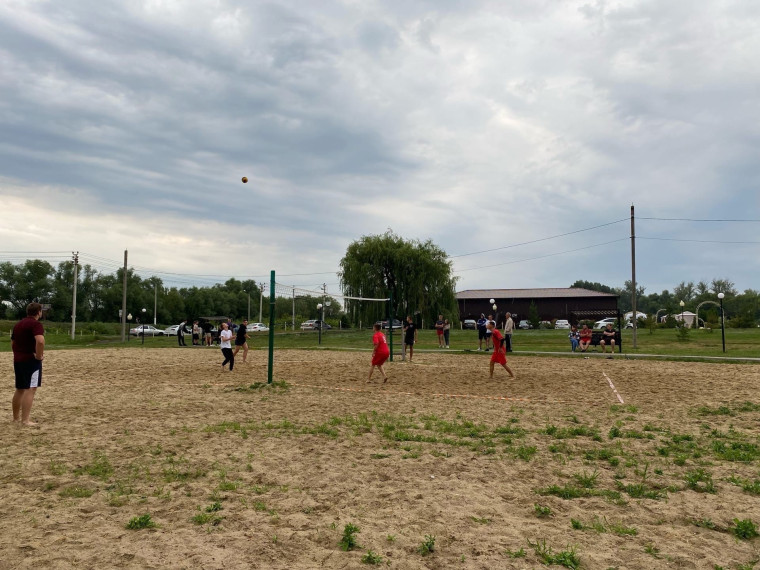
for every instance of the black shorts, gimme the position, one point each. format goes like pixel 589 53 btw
pixel 28 374
pixel 409 341
pixel 240 342
pixel 481 334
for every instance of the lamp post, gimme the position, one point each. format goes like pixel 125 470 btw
pixel 144 311
pixel 322 320
pixel 249 304
pixel 129 319
pixel 722 321
pixel 683 322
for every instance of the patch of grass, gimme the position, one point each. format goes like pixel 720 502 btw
pixel 206 517
pixel 573 492
pixel 641 491
pixel 372 558
pixel 705 523
pixel 587 480
pixel 719 411
pixel 481 520
pixel 567 558
pixel 214 507
pixel 57 467
pixel 621 530
pixel 173 474
pixel 744 529
pixel 100 467
pixel 348 540
pixel 650 548
pixel 526 452
pixel 379 455
pixel 76 492
pixel 625 408
pixel 751 487
pixel 143 521
pixel 427 546
pixel 576 524
pixel 700 481
pixel 572 432
pixel 736 451
pixel 516 553
pixel 542 511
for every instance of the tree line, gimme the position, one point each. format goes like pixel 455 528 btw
pixel 742 309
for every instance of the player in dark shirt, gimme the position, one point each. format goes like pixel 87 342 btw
pixel 410 337
pixel 241 339
pixel 28 345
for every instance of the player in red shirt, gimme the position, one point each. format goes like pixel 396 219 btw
pixel 499 355
pixel 379 354
pixel 28 344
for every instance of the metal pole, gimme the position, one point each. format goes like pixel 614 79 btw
pixel 722 324
pixel 155 302
pixel 390 323
pixel 74 300
pixel 261 300
pixel 142 325
pixel 249 306
pixel 293 327
pixel 271 328
pixel 634 316
pixel 124 300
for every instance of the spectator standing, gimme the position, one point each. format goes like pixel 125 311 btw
pixel 28 345
pixel 446 331
pixel 181 334
pixel 439 330
pixel 489 332
pixel 481 324
pixel 509 327
pixel 196 333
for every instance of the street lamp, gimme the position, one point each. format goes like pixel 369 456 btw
pixel 322 320
pixel 249 304
pixel 683 322
pixel 722 321
pixel 129 318
pixel 143 324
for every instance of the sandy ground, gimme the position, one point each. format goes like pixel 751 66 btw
pixel 439 451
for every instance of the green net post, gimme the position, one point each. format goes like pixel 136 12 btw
pixel 390 324
pixel 270 367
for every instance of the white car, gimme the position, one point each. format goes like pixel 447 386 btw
pixel 256 327
pixel 561 324
pixel 604 322
pixel 147 330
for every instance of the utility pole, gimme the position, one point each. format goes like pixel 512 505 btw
pixel 155 301
pixel 261 299
pixel 124 299
pixel 634 316
pixel 294 308
pixel 74 301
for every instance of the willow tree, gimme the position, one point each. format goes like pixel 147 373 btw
pixel 416 275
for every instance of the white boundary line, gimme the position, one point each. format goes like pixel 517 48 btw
pixel 613 387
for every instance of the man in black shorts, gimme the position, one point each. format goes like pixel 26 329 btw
pixel 28 344
pixel 410 337
pixel 241 339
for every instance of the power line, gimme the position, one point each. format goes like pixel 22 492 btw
pixel 699 240
pixel 541 256
pixel 540 240
pixel 691 220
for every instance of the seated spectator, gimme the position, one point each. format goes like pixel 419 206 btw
pixel 574 337
pixel 608 338
pixel 585 338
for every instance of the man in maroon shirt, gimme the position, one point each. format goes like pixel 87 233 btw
pixel 28 344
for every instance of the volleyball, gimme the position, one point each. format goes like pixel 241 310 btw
pixel 492 301
pixel 494 306
pixel 245 179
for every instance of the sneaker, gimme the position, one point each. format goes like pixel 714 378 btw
pixel 447 346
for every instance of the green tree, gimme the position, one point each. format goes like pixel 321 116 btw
pixel 418 276
pixel 533 318
pixel 22 284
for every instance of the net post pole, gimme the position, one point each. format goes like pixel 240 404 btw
pixel 270 364
pixel 390 323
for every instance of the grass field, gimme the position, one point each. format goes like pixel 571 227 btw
pixel 739 342
pixel 154 458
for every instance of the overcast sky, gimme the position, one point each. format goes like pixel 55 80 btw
pixel 476 124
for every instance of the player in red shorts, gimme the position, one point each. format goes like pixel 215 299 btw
pixel 499 355
pixel 379 354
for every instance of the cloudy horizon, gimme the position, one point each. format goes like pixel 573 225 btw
pixel 479 125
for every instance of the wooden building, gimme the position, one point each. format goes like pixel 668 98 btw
pixel 572 304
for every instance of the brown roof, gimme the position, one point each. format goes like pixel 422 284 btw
pixel 548 293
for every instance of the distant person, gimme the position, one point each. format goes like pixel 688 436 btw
pixel 380 353
pixel 225 336
pixel 608 339
pixel 410 337
pixel 181 334
pixel 509 327
pixel 207 337
pixel 439 331
pixel 446 331
pixel 574 337
pixel 28 345
pixel 241 340
pixel 482 330
pixel 489 332
pixel 585 338
pixel 499 354
pixel 196 334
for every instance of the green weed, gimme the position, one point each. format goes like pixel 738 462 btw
pixel 427 546
pixel 76 492
pixel 372 558
pixel 515 554
pixel 143 521
pixel 567 558
pixel 542 510
pixel 348 541
pixel 744 529
pixel 700 481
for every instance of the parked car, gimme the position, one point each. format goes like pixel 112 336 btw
pixel 172 330
pixel 313 325
pixel 384 324
pixel 562 324
pixel 525 325
pixel 470 324
pixel 257 327
pixel 604 322
pixel 147 330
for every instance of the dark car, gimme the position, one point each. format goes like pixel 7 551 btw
pixel 470 324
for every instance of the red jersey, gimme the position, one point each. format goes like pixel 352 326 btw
pixel 378 339
pixel 24 343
